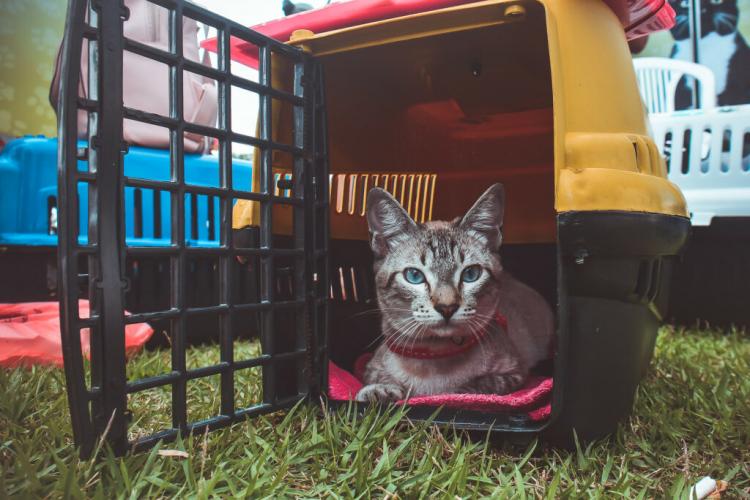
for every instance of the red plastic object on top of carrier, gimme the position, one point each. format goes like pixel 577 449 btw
pixel 638 17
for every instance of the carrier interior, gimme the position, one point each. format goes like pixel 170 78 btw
pixel 436 120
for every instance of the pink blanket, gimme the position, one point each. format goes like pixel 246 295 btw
pixel 533 398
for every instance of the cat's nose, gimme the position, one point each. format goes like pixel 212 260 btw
pixel 446 310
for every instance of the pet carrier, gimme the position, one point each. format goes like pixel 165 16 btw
pixel 434 107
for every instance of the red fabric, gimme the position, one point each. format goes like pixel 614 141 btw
pixel 638 18
pixel 533 398
pixel 30 334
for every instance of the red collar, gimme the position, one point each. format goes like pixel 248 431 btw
pixel 451 350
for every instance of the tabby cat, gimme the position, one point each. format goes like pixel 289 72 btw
pixel 453 320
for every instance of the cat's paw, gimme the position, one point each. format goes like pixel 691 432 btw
pixel 375 393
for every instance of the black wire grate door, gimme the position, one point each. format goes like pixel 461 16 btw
pixel 286 255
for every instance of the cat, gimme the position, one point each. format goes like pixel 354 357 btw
pixel 453 320
pixel 722 49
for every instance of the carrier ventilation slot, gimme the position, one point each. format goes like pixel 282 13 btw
pixel 285 282
pixel 157 213
pixel 348 284
pixel 347 193
pixel 210 223
pixel 194 216
pixel 138 213
pixel 415 192
pixel 649 275
pixel 51 215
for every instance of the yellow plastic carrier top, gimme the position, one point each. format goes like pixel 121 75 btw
pixel 435 106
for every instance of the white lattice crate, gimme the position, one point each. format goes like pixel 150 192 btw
pixel 708 159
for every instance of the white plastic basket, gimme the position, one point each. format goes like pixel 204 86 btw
pixel 658 78
pixel 707 158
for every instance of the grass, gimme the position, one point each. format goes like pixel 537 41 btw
pixel 691 418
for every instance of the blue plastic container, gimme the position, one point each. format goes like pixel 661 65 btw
pixel 28 196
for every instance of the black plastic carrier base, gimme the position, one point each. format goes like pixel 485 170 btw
pixel 611 293
pixel 604 276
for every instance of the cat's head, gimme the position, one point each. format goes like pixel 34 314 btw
pixel 718 16
pixel 438 279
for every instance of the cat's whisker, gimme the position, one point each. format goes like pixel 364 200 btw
pixel 409 330
pixel 365 313
pixel 477 335
pixel 485 339
pixel 415 334
pixel 486 316
pixel 379 337
pixel 394 335
pixel 402 331
pixel 388 332
pixel 482 321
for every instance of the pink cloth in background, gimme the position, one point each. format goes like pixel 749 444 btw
pixel 30 334
pixel 533 398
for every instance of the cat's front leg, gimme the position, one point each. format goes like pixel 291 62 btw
pixel 495 383
pixel 374 393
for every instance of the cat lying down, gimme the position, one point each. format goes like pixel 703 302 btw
pixel 453 320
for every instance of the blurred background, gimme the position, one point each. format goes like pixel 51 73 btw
pixel 30 33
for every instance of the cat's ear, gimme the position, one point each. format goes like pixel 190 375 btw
pixel 388 221
pixel 485 218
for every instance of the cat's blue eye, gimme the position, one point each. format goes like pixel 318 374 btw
pixel 471 274
pixel 414 276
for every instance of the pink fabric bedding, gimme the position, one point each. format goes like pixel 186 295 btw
pixel 533 398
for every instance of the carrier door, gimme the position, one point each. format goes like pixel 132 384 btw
pixel 154 248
